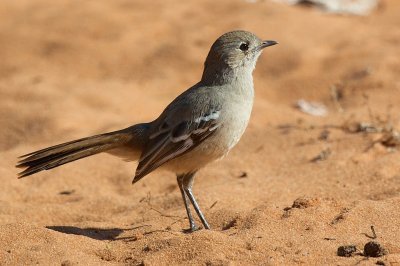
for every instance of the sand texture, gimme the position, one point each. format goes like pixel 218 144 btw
pixel 295 189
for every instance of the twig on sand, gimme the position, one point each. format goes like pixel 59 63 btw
pixel 374 236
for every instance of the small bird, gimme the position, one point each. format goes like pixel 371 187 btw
pixel 200 126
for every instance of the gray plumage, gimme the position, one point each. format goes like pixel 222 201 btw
pixel 200 126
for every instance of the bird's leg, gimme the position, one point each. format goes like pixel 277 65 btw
pixel 192 223
pixel 187 187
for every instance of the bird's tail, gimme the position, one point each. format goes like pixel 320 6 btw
pixel 132 138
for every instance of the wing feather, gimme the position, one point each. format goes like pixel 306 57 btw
pixel 179 139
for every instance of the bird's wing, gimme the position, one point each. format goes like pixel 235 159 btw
pixel 175 134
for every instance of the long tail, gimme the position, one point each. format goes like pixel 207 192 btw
pixel 48 158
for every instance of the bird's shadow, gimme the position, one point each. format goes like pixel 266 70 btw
pixel 94 233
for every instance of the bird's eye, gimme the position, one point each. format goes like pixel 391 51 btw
pixel 244 46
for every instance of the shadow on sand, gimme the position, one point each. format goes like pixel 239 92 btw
pixel 94 233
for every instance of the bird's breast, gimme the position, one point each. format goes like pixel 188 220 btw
pixel 237 119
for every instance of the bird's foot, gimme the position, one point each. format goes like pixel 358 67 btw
pixel 192 229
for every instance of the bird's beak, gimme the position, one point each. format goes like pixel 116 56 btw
pixel 266 44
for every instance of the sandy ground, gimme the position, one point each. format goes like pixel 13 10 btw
pixel 294 189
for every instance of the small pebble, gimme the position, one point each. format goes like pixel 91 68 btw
pixel 346 251
pixel 374 249
pixel 305 202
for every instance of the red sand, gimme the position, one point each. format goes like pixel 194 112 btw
pixel 70 69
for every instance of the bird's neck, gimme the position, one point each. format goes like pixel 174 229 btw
pixel 217 76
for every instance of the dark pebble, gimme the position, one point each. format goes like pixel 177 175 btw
pixel 346 251
pixel 374 249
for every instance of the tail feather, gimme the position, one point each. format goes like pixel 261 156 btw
pixel 68 147
pixel 53 161
pixel 60 154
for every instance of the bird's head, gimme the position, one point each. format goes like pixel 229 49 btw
pixel 236 49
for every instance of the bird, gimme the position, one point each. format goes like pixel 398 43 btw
pixel 198 127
